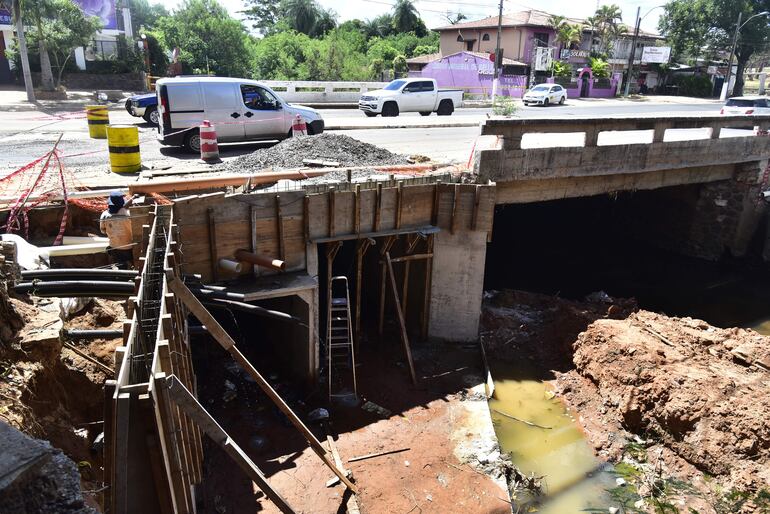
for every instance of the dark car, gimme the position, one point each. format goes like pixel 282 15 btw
pixel 144 106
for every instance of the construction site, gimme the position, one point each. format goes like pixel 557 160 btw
pixel 324 326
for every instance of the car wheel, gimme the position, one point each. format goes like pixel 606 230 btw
pixel 445 108
pixel 425 113
pixel 561 102
pixel 390 110
pixel 152 116
pixel 192 142
pixel 545 102
pixel 370 114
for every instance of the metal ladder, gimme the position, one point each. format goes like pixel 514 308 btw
pixel 339 334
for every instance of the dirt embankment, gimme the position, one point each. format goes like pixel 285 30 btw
pixel 680 407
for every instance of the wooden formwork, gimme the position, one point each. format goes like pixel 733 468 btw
pixel 153 453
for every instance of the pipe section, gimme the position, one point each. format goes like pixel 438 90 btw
pixel 251 309
pixel 75 288
pixel 79 274
pixel 260 260
pixel 230 266
pixel 74 333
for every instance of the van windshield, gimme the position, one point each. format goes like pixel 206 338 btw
pixel 395 85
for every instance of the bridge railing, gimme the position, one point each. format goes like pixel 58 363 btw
pixel 512 131
pixel 321 92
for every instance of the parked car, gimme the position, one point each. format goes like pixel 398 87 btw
pixel 411 95
pixel 545 94
pixel 746 105
pixel 144 106
pixel 240 109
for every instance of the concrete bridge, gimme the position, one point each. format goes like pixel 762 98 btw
pixel 724 158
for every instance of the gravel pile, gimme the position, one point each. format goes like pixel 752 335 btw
pixel 327 147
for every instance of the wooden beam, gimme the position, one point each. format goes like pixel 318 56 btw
pixel 378 208
pixel 399 203
pixel 213 244
pixel 401 321
pixel 190 405
pixel 279 228
pixel 332 194
pixel 476 200
pixel 357 209
pixel 224 339
pixel 362 247
pixel 120 483
pixel 426 230
pixel 427 294
pixel 455 193
pixel 253 233
pixel 414 257
pixel 405 288
pixel 436 204
pixel 383 285
pixel 306 216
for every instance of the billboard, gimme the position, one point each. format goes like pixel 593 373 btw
pixel 543 59
pixel 656 54
pixel 102 9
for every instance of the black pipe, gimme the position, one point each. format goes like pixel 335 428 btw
pixel 74 288
pixel 196 330
pixel 75 333
pixel 79 274
pixel 251 309
pixel 202 292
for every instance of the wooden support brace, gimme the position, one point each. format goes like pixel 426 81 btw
pixel 452 223
pixel 378 208
pixel 427 293
pixel 476 200
pixel 332 212
pixel 253 232
pixel 363 246
pixel 436 204
pixel 357 209
pixel 383 286
pixel 213 244
pixel 399 203
pixel 279 227
pixel 401 320
pixel 412 244
pixel 190 405
pixel 224 339
pixel 306 217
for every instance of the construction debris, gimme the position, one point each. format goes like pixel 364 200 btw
pixel 292 152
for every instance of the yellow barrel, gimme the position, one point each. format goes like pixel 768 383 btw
pixel 123 141
pixel 98 119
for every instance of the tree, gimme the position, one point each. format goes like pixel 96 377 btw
pixel 144 14
pixel 399 66
pixel 569 35
pixel 60 27
pixel 406 18
pixel 710 25
pixel 209 38
pixel 606 24
pixel 381 26
pixel 454 18
pixel 263 14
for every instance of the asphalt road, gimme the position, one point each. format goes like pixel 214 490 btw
pixel 25 136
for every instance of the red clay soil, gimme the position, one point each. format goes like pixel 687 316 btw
pixel 439 473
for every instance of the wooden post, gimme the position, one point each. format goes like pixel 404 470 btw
pixel 436 204
pixel 224 339
pixel 120 479
pixel 476 200
pixel 306 216
pixel 399 197
pixel 455 192
pixel 108 448
pixel 187 402
pixel 213 244
pixel 383 276
pixel 426 297
pixel 357 209
pixel 332 193
pixel 405 288
pixel 279 228
pixel 401 321
pixel 378 208
pixel 363 246
pixel 253 213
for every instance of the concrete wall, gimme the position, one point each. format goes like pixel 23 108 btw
pixel 457 285
pixel 312 92
pixel 471 73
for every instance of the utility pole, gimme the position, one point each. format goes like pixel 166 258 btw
pixel 498 58
pixel 633 52
pixel 726 89
pixel 22 42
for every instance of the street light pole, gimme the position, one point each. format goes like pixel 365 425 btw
pixel 498 59
pixel 632 54
pixel 22 42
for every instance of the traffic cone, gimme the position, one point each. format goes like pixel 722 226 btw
pixel 299 128
pixel 209 146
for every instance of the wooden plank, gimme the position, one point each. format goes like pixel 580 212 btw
pixel 279 228
pixel 382 233
pixel 120 480
pixel 357 209
pixel 453 219
pixel 436 204
pixel 378 208
pixel 108 449
pixel 477 199
pixel 306 217
pixel 224 339
pixel 427 292
pixel 156 458
pixel 332 212
pixel 399 198
pixel 401 320
pixel 253 232
pixel 182 397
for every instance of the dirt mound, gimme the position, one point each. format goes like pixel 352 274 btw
pixel 689 384
pixel 327 147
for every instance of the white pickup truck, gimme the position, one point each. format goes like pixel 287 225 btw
pixel 411 95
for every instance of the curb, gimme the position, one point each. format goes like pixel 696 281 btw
pixel 459 124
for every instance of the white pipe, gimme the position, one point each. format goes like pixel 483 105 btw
pixel 78 249
pixel 76 240
pixel 231 266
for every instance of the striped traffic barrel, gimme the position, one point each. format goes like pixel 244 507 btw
pixel 123 141
pixel 209 146
pixel 98 119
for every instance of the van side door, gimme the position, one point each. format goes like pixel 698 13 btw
pixel 223 110
pixel 263 113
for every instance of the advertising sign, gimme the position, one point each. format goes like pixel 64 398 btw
pixel 5 17
pixel 543 59
pixel 566 53
pixel 102 9
pixel 656 54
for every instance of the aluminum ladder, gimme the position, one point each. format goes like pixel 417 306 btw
pixel 339 335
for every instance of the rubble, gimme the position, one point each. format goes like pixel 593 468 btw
pixel 291 153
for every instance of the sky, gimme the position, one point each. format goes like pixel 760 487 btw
pixel 431 10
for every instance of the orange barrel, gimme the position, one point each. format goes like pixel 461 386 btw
pixel 299 128
pixel 98 119
pixel 209 146
pixel 123 141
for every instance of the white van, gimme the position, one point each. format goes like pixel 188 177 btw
pixel 239 109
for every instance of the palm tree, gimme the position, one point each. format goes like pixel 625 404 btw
pixel 569 34
pixel 607 20
pixel 302 15
pixel 405 16
pixel 555 21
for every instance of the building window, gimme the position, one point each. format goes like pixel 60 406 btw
pixel 460 38
pixel 541 38
pixel 469 45
pixel 485 37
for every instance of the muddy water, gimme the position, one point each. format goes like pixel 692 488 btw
pixel 574 478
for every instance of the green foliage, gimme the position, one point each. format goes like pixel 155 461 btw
pixel 144 15
pixel 158 58
pixel 407 19
pixel 424 50
pixel 208 37
pixel 504 106
pixel 263 14
pixel 694 85
pixel 399 65
pixel 607 27
pixel 599 67
pixel 561 69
